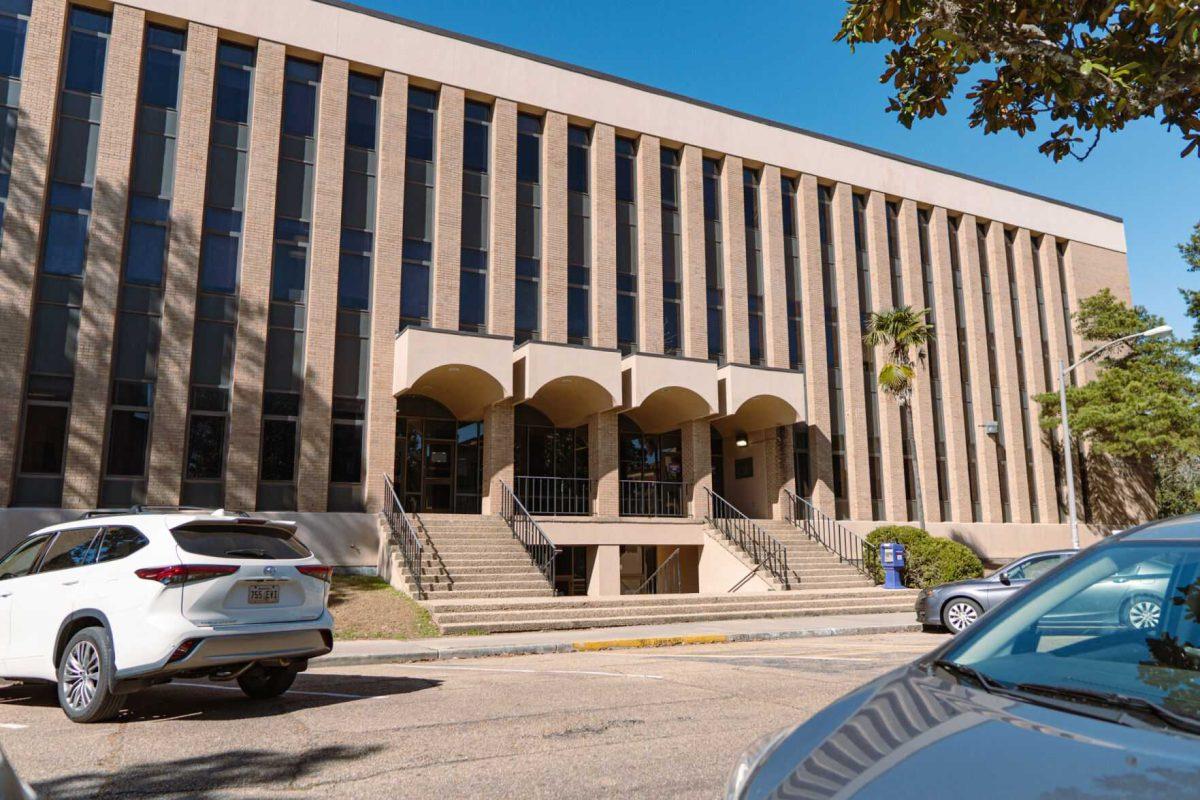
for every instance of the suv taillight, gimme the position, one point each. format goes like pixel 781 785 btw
pixel 317 571
pixel 180 574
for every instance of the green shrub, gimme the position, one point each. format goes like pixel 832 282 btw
pixel 904 534
pixel 931 561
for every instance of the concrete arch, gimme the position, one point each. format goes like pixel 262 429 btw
pixel 465 373
pixel 567 383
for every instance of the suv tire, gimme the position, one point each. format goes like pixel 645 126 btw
pixel 264 683
pixel 85 678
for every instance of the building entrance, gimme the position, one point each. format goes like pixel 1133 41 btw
pixel 439 459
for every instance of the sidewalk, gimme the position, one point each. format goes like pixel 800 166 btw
pixel 382 651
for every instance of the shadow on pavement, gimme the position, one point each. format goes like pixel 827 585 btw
pixel 204 777
pixel 202 700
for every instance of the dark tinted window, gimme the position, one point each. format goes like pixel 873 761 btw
pixel 120 542
pixel 21 558
pixel 239 540
pixel 71 548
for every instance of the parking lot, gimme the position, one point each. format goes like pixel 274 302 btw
pixel 649 723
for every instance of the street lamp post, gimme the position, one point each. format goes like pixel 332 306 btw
pixel 1063 371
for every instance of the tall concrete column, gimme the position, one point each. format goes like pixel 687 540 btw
pixel 1036 374
pixel 850 344
pixel 603 298
pixel 380 436
pixel 1057 331
pixel 554 228
pixel 775 320
pixel 981 384
pixel 697 464
pixel 816 369
pixel 245 417
pixel 891 437
pixel 503 228
pixel 945 330
pixel 1006 367
pixel 106 245
pixel 498 432
pixel 23 217
pixel 447 218
pixel 168 436
pixel 603 463
pixel 649 224
pixel 733 259
pixel 691 210
pixel 320 337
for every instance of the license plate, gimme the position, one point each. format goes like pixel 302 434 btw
pixel 264 594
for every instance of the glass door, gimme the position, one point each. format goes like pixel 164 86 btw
pixel 438 494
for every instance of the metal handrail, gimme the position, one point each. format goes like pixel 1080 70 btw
pixel 526 530
pixel 844 543
pixel 554 496
pixel 763 548
pixel 404 535
pixel 676 573
pixel 652 498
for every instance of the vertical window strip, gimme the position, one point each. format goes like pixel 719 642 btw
pixel 714 277
pixel 140 299
pixel 672 265
pixel 989 318
pixel 1069 327
pixel 907 446
pixel 833 356
pixel 579 235
pixel 213 342
pixel 964 367
pixel 935 369
pixel 14 22
pixel 419 176
pixel 627 238
pixel 1022 378
pixel 792 275
pixel 529 227
pixel 50 376
pixel 1048 371
pixel 895 258
pixel 754 265
pixel 283 382
pixel 352 350
pixel 870 381
pixel 476 208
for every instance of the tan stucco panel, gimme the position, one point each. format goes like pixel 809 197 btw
pixel 662 393
pixel 465 373
pixel 568 384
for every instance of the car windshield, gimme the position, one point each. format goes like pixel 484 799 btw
pixel 1119 620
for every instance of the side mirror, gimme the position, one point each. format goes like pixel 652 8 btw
pixel 1007 581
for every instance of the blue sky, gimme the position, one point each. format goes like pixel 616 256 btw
pixel 776 58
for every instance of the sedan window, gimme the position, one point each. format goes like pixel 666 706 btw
pixel 71 548
pixel 1034 568
pixel 20 559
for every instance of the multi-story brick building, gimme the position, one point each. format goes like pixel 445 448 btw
pixel 262 255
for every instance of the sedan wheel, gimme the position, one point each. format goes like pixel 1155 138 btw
pixel 1143 613
pixel 961 614
pixel 85 678
pixel 81 675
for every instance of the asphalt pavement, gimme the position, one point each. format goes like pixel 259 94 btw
pixel 664 723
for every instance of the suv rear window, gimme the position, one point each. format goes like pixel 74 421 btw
pixel 239 540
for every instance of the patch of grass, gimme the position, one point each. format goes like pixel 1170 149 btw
pixel 367 607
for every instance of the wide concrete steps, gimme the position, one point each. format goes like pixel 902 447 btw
pixel 574 613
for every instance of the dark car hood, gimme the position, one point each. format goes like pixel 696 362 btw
pixel 916 735
pixel 971 583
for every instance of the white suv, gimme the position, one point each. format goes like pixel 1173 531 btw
pixel 110 605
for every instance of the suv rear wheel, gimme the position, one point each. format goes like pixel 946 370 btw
pixel 85 678
pixel 263 683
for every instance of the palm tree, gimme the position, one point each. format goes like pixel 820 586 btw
pixel 904 333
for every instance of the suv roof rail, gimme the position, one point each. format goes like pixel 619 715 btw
pixel 160 509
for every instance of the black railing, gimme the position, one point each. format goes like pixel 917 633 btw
pixel 526 531
pixel 844 543
pixel 667 579
pixel 545 496
pixel 653 499
pixel 763 548
pixel 404 535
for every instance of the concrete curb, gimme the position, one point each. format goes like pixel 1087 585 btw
pixel 484 651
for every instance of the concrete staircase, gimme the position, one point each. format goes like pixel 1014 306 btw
pixel 568 613
pixel 470 557
pixel 815 565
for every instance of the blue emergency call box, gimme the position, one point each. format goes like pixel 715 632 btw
pixel 892 559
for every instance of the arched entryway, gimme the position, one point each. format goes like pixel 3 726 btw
pixel 550 464
pixel 651 471
pixel 439 459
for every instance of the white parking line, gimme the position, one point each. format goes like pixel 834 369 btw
pixel 533 671
pixel 290 691
pixel 12 726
